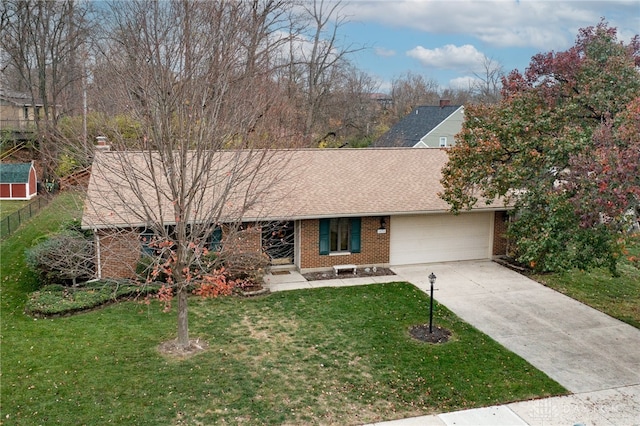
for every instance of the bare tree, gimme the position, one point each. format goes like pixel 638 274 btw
pixel 65 256
pixel 40 43
pixel 411 90
pixel 488 84
pixel 457 95
pixel 352 112
pixel 184 71
pixel 269 21
pixel 317 58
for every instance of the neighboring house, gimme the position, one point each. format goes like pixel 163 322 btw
pixel 18 181
pixel 383 100
pixel 426 127
pixel 18 110
pixel 365 207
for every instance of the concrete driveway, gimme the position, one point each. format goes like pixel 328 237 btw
pixel 581 348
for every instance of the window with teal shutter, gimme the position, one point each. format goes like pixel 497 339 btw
pixel 340 235
pixel 355 235
pixel 324 236
pixel 146 239
pixel 215 239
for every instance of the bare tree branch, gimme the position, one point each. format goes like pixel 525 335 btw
pixel 185 71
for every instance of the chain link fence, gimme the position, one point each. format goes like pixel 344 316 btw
pixel 11 222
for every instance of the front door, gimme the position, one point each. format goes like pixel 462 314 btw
pixel 278 242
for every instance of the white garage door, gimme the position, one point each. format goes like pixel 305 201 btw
pixel 440 238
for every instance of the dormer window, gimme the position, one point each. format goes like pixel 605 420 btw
pixel 443 141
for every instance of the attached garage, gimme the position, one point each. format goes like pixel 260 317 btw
pixel 440 237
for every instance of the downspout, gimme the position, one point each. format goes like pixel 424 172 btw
pixel 98 256
pixel 492 234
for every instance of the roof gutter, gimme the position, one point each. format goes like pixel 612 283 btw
pixel 311 217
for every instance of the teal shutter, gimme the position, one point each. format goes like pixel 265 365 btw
pixel 324 236
pixel 215 239
pixel 355 235
pixel 146 238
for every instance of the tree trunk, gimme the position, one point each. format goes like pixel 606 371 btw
pixel 183 318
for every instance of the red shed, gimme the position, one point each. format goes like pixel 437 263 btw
pixel 18 181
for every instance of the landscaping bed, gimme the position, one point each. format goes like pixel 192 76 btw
pixel 57 300
pixel 360 272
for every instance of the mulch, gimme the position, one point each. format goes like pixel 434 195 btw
pixel 171 348
pixel 421 332
pixel 360 272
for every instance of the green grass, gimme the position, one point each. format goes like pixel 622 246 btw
pixel 9 206
pixel 15 279
pixel 9 219
pixel 618 297
pixel 322 356
pixel 340 356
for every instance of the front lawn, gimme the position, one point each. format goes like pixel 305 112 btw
pixel 615 296
pixel 330 356
pixel 321 356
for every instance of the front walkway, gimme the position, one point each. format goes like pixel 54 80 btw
pixel 591 354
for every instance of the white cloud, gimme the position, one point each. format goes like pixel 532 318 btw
pixel 465 57
pixel 381 51
pixel 543 25
pixel 463 83
pixel 300 46
pixel 385 86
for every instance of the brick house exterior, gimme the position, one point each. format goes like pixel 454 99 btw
pixel 374 252
pixel 364 207
pixel 119 253
pixel 121 250
pixel 500 241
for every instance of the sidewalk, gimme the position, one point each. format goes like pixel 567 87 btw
pixel 614 407
pixel 591 354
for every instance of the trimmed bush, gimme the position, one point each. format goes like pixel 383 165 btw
pixel 245 265
pixel 62 258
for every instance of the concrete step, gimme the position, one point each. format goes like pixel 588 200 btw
pixel 283 268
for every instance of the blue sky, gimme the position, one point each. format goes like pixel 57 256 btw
pixel 446 40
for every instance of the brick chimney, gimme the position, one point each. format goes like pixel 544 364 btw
pixel 101 143
pixel 444 102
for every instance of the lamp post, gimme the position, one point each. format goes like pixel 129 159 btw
pixel 432 281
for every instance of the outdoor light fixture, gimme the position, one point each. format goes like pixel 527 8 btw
pixel 432 281
pixel 432 278
pixel 383 226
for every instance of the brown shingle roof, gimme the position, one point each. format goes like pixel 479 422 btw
pixel 297 184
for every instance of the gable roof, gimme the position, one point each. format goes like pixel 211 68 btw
pixel 19 98
pixel 410 129
pixel 299 184
pixel 15 172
